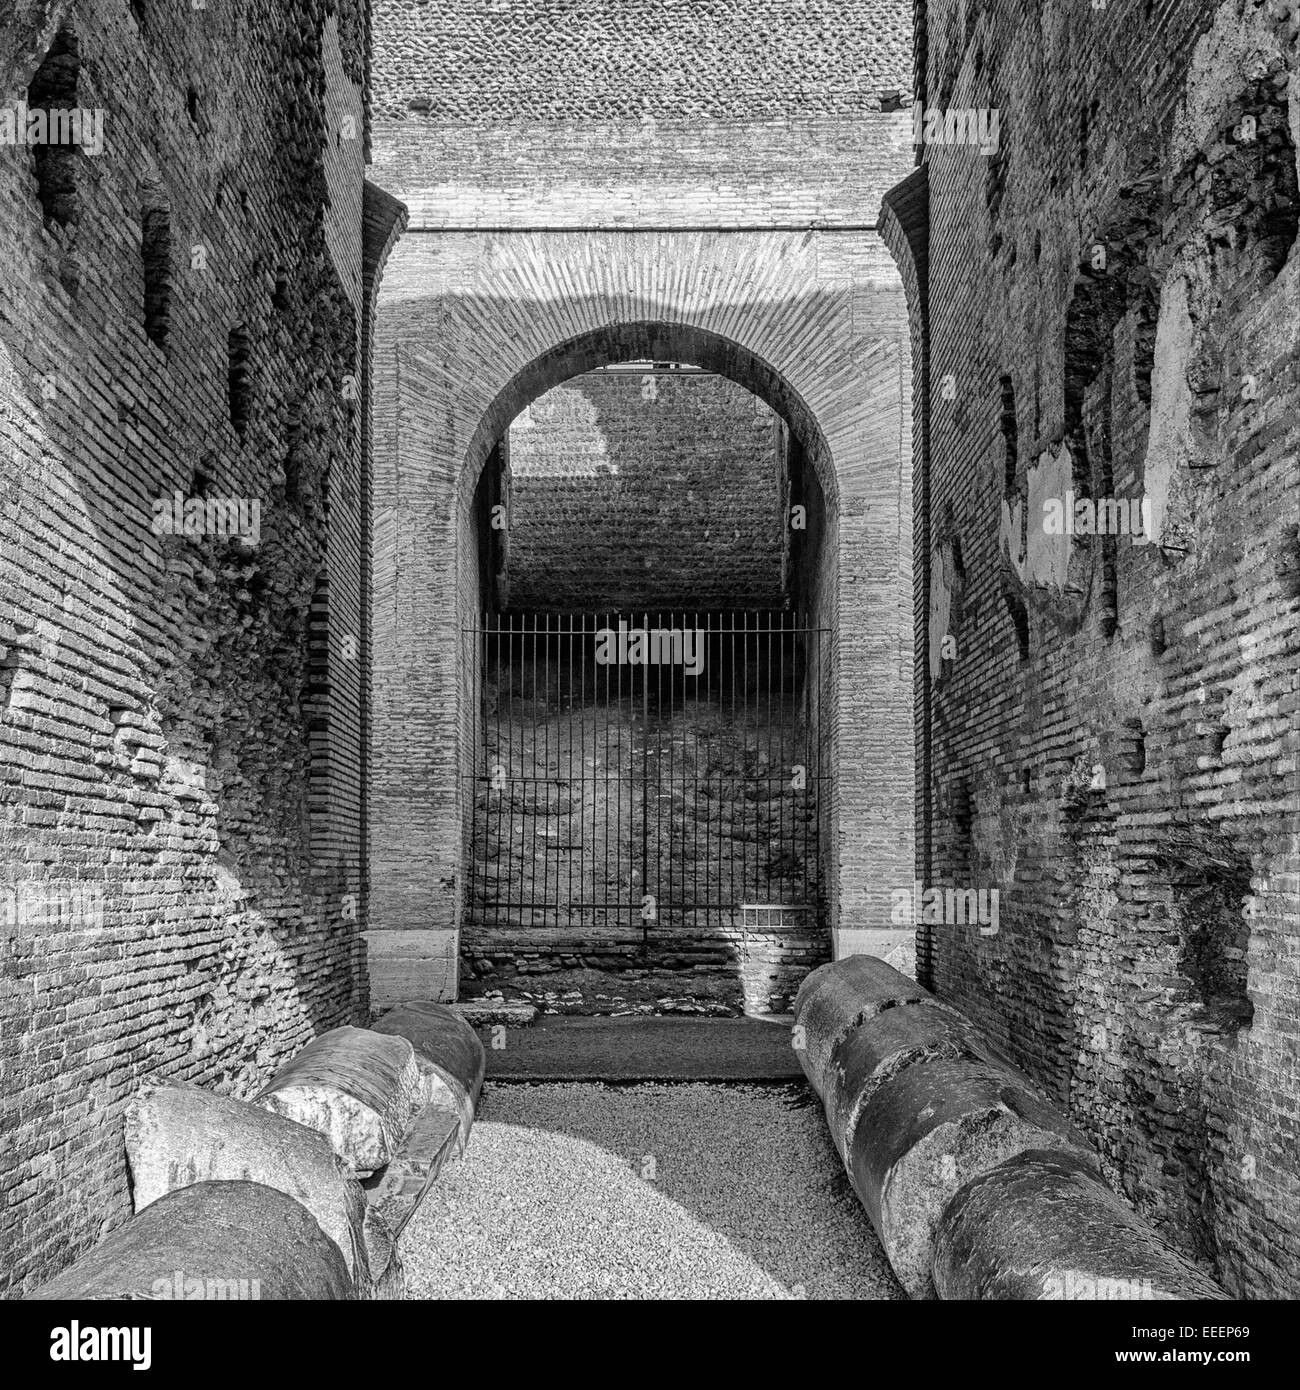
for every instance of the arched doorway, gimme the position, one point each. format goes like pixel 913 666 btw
pixel 648 779
pixel 454 365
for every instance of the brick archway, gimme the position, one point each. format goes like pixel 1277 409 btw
pixel 473 326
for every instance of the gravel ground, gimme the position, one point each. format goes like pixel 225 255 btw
pixel 743 1196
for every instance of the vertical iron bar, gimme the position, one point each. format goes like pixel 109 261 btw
pixel 545 784
pixel 617 669
pixel 769 670
pixel 518 805
pixel 696 799
pixel 645 777
pixel 782 765
pixel 491 755
pixel 658 778
pixel 823 676
pixel 568 820
pixel 484 782
pixel 731 857
pixel 812 675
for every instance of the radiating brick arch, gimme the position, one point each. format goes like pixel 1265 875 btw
pixel 471 327
pixel 651 342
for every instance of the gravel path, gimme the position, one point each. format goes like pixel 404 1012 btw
pixel 743 1196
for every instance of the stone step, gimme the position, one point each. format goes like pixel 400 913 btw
pixel 482 1013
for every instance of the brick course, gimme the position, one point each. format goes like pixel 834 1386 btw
pixel 608 473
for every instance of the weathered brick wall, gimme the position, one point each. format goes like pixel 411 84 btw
pixel 179 715
pixel 608 474
pixel 485 63
pixel 1112 728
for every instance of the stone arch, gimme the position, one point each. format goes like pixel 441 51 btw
pixel 471 327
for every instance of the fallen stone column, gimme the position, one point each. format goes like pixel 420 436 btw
pixel 835 998
pixel 178 1135
pixel 878 1049
pixel 357 1087
pixel 923 1109
pixel 1045 1226
pixel 929 1130
pixel 211 1241
pixel 448 1055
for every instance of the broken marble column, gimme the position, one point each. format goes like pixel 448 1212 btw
pixel 932 1122
pixel 881 1047
pixel 227 1241
pixel 1043 1225
pixel 835 998
pixel 357 1087
pixel 178 1135
pixel 448 1054
pixel 932 1128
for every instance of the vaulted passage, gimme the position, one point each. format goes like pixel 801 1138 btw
pixel 461 559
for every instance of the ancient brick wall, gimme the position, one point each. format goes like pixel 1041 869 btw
pixel 179 713
pixel 1112 300
pixel 608 473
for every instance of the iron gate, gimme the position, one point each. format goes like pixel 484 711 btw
pixel 638 770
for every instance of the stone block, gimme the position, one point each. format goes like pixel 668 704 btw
pixel 401 964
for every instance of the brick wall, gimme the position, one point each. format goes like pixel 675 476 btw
pixel 608 473
pixel 179 715
pixel 1111 729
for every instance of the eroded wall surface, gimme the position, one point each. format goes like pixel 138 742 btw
pixel 1113 300
pixel 179 746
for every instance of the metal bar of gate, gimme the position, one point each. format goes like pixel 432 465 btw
pixel 524 770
